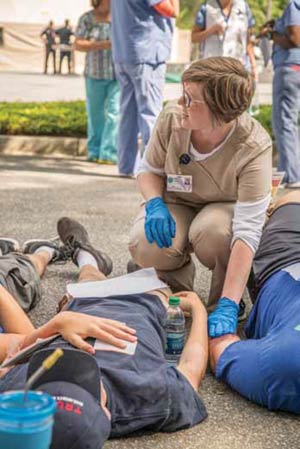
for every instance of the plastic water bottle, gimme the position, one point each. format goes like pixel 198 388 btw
pixel 175 330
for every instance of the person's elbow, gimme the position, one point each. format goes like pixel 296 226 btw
pixel 293 34
pixel 167 8
pixel 78 45
pixel 195 36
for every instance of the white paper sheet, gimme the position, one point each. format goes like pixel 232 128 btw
pixel 293 270
pixel 140 281
pixel 130 347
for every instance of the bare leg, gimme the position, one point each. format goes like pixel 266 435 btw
pixel 40 261
pixel 88 273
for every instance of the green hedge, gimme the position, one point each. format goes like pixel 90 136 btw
pixel 43 119
pixel 63 119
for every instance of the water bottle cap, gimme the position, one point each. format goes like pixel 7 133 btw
pixel 174 301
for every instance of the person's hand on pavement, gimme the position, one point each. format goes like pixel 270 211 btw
pixel 224 319
pixel 160 226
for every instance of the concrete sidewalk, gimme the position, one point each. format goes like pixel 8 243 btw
pixel 28 87
pixel 34 193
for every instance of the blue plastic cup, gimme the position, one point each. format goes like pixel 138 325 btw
pixel 26 425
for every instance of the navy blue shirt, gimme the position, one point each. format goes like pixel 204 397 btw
pixel 290 17
pixel 143 392
pixel 139 33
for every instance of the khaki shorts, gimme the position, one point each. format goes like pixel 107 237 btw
pixel 19 277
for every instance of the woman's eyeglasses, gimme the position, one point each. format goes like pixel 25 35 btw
pixel 188 100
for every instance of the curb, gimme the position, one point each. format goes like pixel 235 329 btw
pixel 42 145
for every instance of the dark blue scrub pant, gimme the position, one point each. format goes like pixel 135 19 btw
pixel 266 368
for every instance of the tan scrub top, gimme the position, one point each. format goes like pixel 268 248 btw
pixel 241 170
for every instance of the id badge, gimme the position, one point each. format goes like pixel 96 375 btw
pixel 180 183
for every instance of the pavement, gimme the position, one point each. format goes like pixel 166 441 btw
pixel 32 87
pixel 34 193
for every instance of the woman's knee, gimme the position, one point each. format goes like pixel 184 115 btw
pixel 150 255
pixel 210 242
pixel 212 225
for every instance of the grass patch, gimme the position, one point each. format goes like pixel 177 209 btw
pixel 64 119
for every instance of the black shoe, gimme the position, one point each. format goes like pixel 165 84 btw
pixel 31 246
pixel 75 237
pixel 242 311
pixel 8 245
pixel 132 266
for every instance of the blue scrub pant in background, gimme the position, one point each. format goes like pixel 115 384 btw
pixel 102 104
pixel 266 368
pixel 141 101
pixel 285 121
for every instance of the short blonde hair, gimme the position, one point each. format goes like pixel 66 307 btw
pixel 227 86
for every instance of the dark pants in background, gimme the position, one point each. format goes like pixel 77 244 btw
pixel 50 51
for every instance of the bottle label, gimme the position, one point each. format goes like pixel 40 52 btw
pixel 175 343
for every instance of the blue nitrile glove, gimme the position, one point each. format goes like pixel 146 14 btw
pixel 224 319
pixel 160 226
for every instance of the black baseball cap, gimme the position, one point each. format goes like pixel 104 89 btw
pixel 74 381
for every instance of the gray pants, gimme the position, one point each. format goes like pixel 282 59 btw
pixel 19 277
pixel 285 120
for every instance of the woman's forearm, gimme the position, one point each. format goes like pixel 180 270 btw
pixel 238 270
pixel 199 36
pixel 150 185
pixel 86 45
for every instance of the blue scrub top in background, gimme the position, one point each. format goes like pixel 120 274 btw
pixel 139 34
pixel 290 17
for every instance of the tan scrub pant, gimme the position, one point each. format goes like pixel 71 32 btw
pixel 206 232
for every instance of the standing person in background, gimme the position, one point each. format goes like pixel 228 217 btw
pixel 286 90
pixel 65 34
pixel 102 91
pixel 223 28
pixel 48 35
pixel 141 39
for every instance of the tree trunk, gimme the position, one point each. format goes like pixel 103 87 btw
pixel 269 9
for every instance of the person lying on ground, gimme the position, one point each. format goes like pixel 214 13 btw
pixel 265 367
pixel 112 393
pixel 20 289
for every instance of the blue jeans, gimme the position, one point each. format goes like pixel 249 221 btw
pixel 285 121
pixel 103 97
pixel 141 101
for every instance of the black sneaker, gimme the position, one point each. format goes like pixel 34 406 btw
pixel 31 246
pixel 75 237
pixel 8 245
pixel 242 315
pixel 132 266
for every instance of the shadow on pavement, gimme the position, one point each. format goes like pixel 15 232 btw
pixel 66 166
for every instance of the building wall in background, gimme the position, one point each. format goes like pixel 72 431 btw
pixel 22 22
